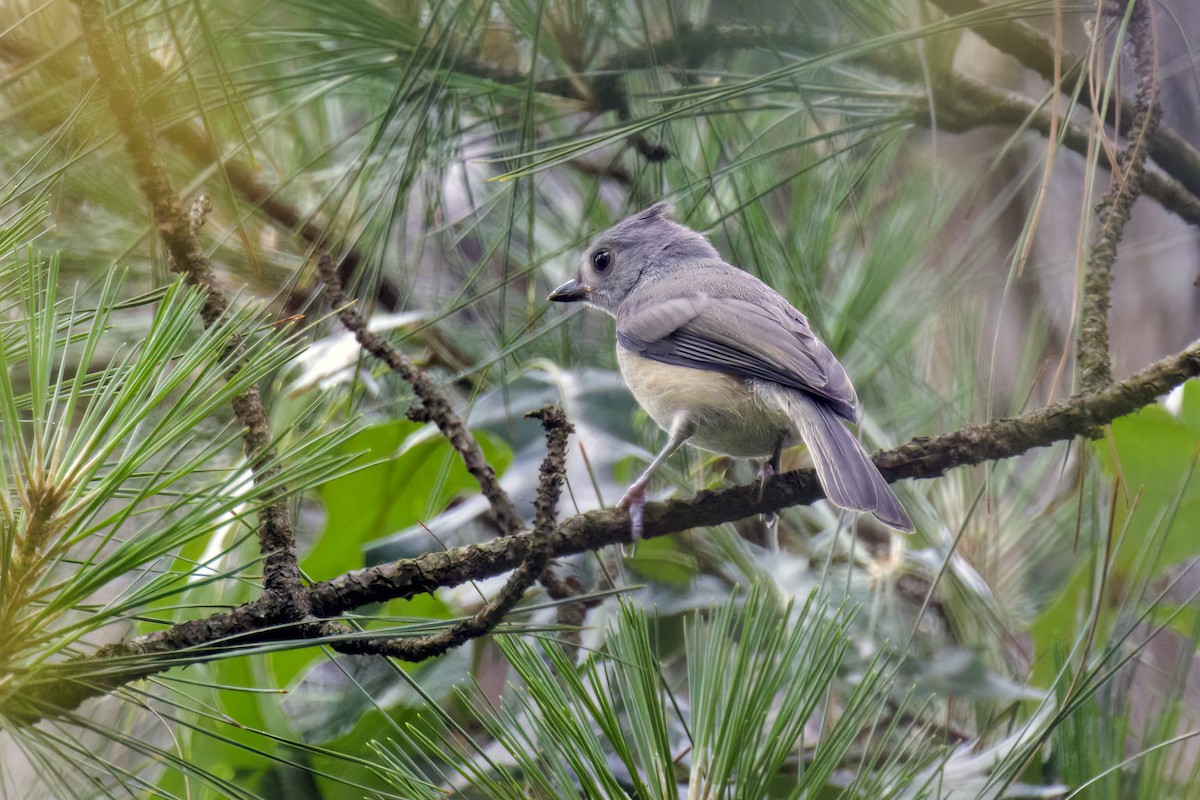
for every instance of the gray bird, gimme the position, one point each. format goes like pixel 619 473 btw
pixel 719 359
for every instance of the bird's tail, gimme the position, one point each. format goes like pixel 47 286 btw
pixel 847 475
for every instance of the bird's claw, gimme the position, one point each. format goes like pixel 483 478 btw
pixel 635 501
pixel 765 473
pixel 771 518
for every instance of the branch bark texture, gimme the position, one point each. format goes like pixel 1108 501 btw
pixel 1094 363
pixel 921 458
pixel 492 614
pixel 281 571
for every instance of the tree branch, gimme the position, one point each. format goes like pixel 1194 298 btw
pixel 435 404
pixel 435 407
pixel 551 475
pixel 965 104
pixel 962 103
pixel 281 572
pixel 492 614
pixel 64 687
pixel 1093 362
pixel 553 468
pixel 1037 52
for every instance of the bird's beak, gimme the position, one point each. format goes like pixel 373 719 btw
pixel 569 292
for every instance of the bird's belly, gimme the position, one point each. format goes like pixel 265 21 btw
pixel 728 415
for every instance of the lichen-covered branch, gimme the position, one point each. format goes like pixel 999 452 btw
pixel 435 404
pixel 281 573
pixel 553 468
pixel 288 611
pixel 1036 51
pixel 1094 364
pixel 435 407
pixel 922 458
pixel 551 474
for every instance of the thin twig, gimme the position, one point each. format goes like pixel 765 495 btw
pixel 461 632
pixel 1036 51
pixel 1093 361
pixel 553 468
pixel 570 615
pixel 435 405
pixel 554 422
pixel 965 104
pixel 281 573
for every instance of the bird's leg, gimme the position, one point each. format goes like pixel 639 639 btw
pixel 635 496
pixel 768 470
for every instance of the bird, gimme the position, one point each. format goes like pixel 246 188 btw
pixel 723 362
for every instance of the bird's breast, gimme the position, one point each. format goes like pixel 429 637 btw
pixel 730 417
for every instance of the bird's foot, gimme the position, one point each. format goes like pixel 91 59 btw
pixel 635 501
pixel 765 473
pixel 771 518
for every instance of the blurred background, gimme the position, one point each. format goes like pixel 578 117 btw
pixel 455 157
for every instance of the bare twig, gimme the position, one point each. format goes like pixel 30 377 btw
pixel 965 104
pixel 281 573
pixel 192 141
pixel 1094 364
pixel 435 405
pixel 1036 51
pixel 549 487
pixel 461 632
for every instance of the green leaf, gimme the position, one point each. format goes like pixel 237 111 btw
pixel 663 560
pixel 1154 454
pixel 335 693
pixel 405 477
pixel 1151 456
pixel 1189 410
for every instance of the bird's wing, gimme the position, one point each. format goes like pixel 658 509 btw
pixel 768 341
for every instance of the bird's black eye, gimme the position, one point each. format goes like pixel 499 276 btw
pixel 601 259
